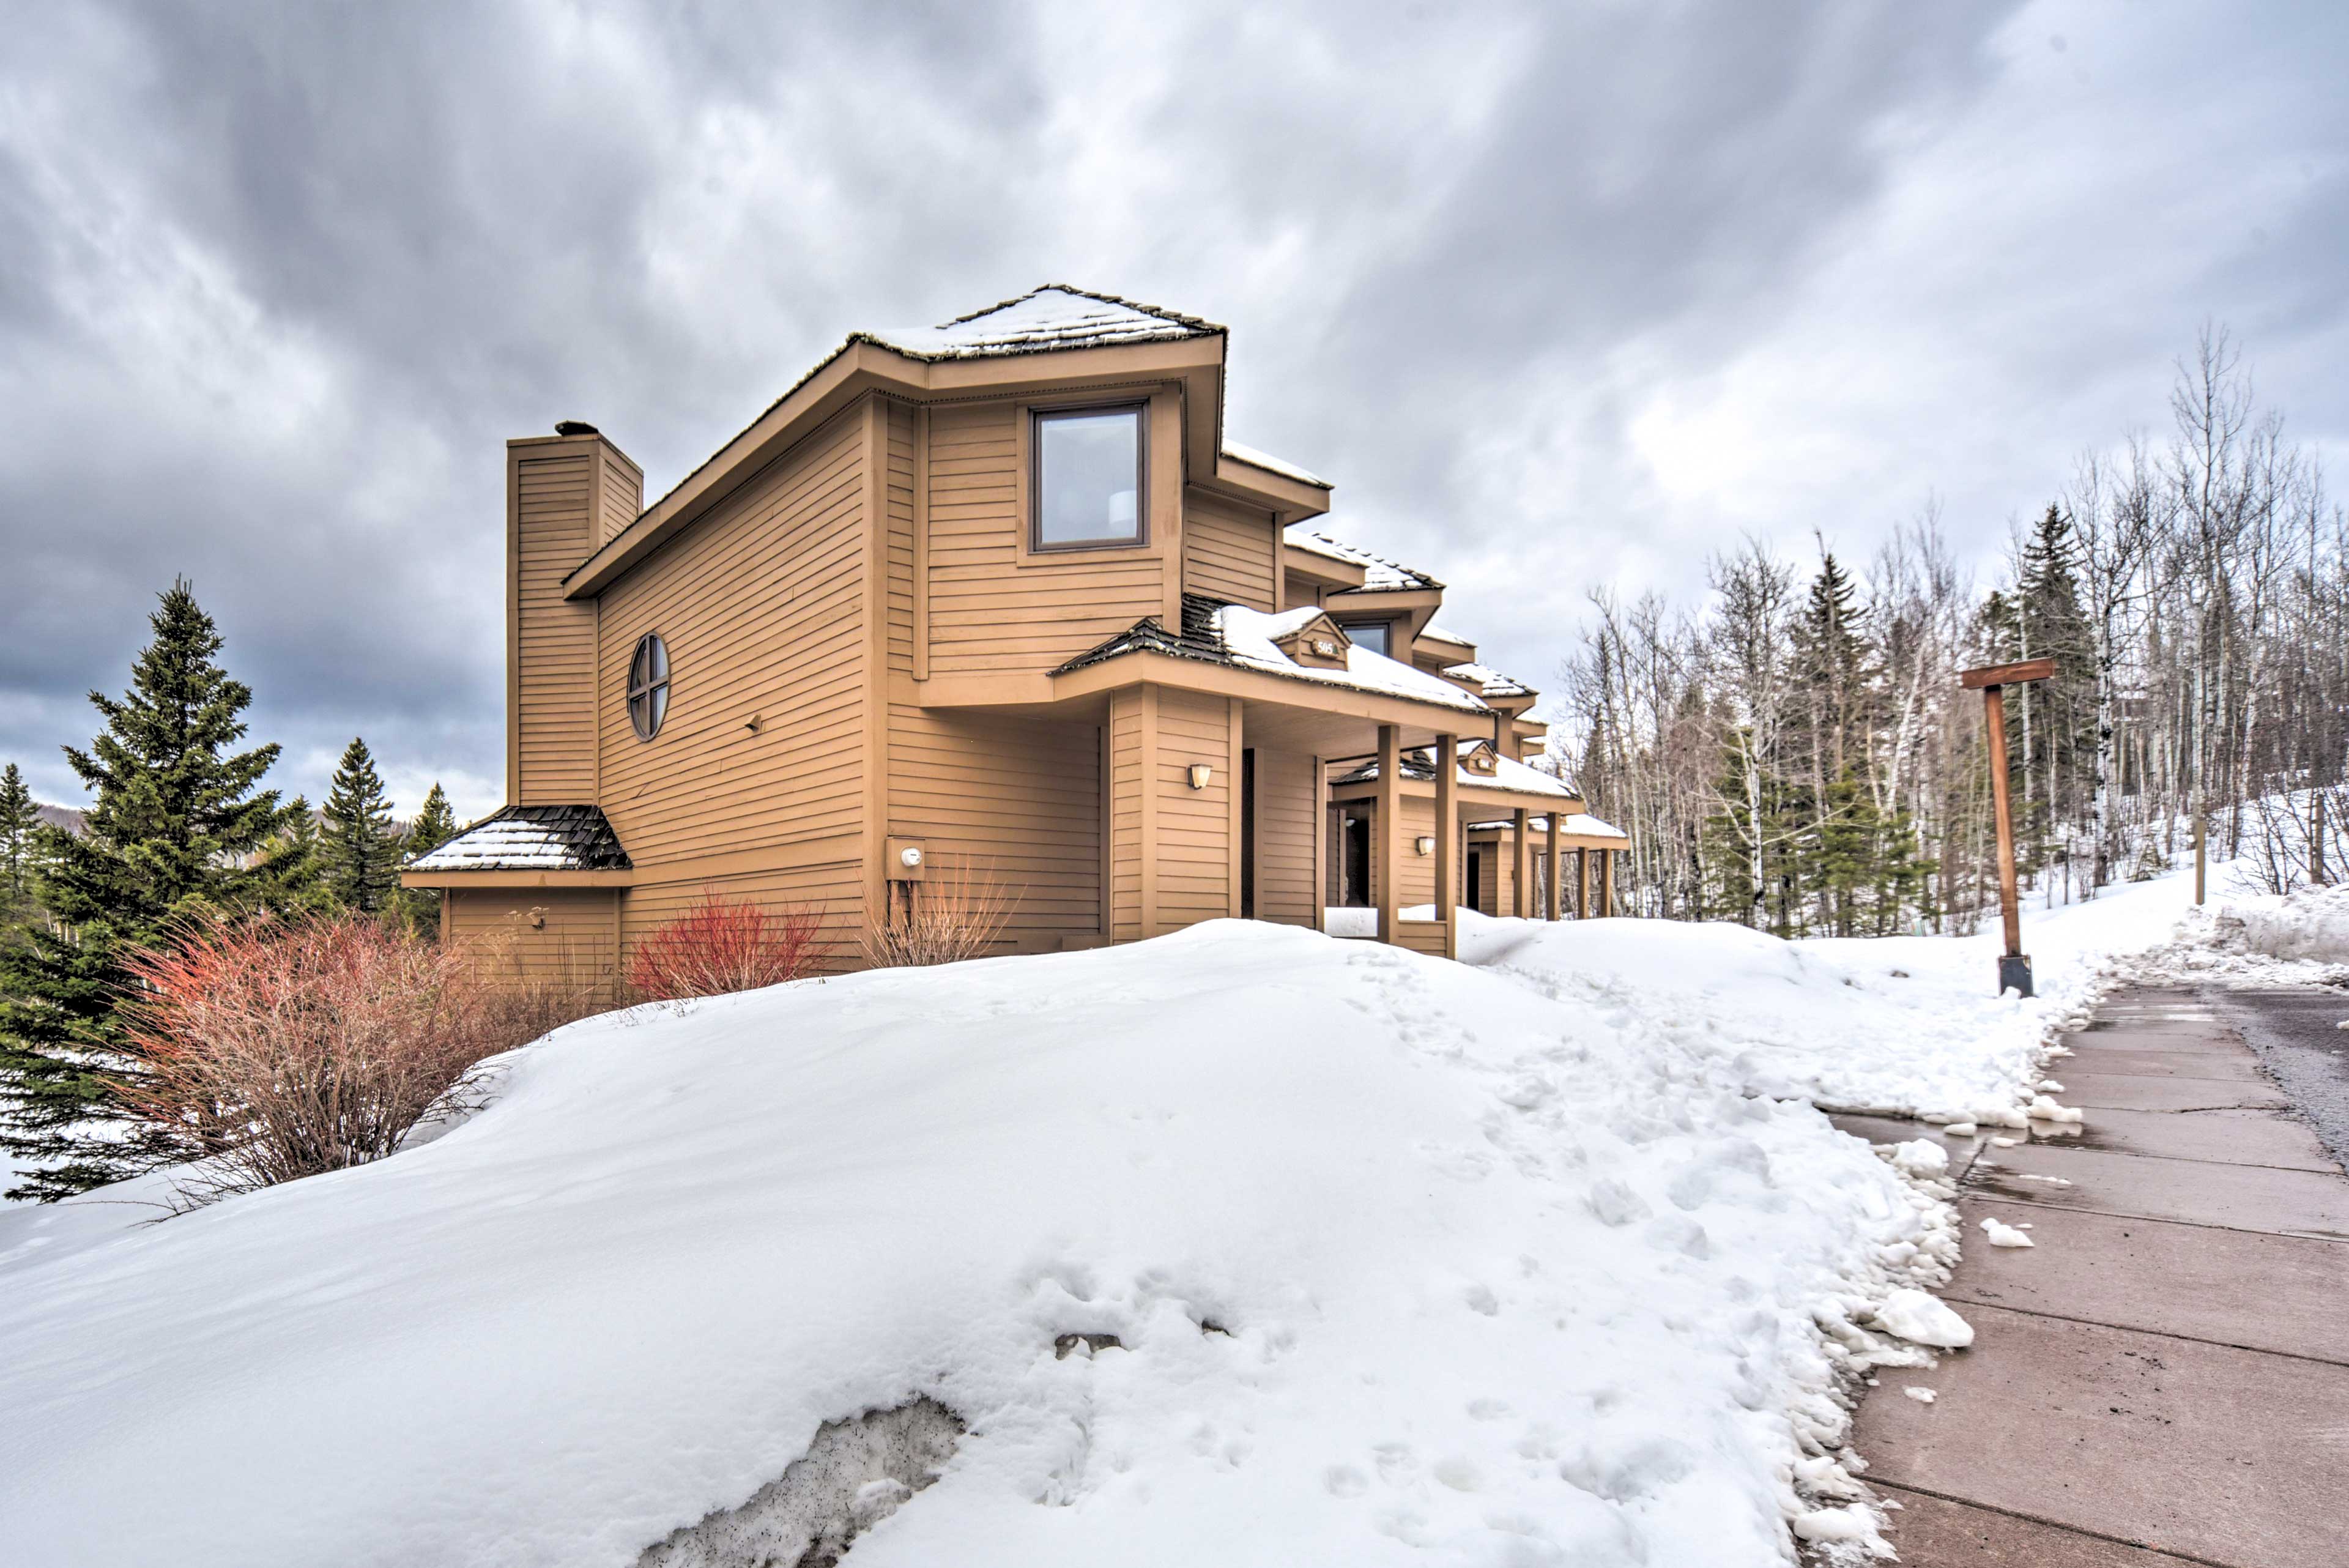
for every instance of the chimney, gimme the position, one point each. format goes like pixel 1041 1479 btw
pixel 565 495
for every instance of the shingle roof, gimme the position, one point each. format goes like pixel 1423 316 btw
pixel 1199 638
pixel 1508 773
pixel 531 838
pixel 1379 574
pixel 1491 682
pixel 1053 317
pixel 1267 460
pixel 1218 633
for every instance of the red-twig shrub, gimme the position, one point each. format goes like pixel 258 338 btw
pixel 271 1050
pixel 717 946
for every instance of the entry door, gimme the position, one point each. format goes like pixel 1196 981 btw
pixel 1475 900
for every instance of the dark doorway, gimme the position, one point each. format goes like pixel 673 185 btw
pixel 1247 834
pixel 1475 900
pixel 1354 861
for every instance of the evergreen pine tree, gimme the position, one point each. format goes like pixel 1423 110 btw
pixel 295 855
pixel 18 858
pixel 361 846
pixel 434 826
pixel 172 832
pixel 1834 670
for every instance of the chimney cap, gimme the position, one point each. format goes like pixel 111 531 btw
pixel 574 428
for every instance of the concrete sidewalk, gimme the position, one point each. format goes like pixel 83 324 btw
pixel 2164 1377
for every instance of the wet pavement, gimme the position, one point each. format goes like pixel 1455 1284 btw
pixel 2299 1039
pixel 2164 1376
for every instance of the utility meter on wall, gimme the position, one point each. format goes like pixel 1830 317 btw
pixel 908 859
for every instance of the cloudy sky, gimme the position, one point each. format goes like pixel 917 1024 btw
pixel 1561 297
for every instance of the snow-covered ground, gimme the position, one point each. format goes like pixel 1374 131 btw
pixel 1904 1025
pixel 1542 1258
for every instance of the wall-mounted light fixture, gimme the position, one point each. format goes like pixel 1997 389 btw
pixel 1200 774
pixel 1426 846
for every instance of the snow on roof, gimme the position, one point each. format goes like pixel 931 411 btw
pixel 1508 773
pixel 1053 317
pixel 1379 574
pixel 1575 821
pixel 1219 633
pixel 1491 680
pixel 531 838
pixel 1266 461
pixel 1445 634
pixel 1248 638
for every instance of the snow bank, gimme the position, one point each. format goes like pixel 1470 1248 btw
pixel 1243 1245
pixel 1905 1025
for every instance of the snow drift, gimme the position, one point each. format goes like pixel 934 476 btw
pixel 1243 1245
pixel 1904 1025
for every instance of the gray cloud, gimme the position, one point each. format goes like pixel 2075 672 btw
pixel 1558 295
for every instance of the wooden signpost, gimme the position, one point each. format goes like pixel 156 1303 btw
pixel 2014 967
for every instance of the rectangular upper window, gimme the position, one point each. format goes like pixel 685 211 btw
pixel 1369 634
pixel 1089 478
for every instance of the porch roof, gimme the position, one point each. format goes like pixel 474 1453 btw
pixel 530 838
pixel 1573 825
pixel 1217 633
pixel 1507 774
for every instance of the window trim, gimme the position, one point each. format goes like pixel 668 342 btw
pixel 631 690
pixel 1036 416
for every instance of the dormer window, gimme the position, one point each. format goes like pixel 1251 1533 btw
pixel 1088 478
pixel 1371 634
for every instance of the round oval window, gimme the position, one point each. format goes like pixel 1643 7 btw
pixel 649 687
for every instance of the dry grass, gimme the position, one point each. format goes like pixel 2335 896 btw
pixel 717 946
pixel 954 915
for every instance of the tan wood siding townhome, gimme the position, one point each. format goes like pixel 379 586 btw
pixel 1000 589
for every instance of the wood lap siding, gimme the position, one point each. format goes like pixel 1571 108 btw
pixel 1286 805
pixel 623 496
pixel 1195 852
pixel 900 574
pixel 833 889
pixel 1016 800
pixel 989 610
pixel 1227 551
pixel 578 944
pixel 1125 795
pixel 554 695
pixel 763 616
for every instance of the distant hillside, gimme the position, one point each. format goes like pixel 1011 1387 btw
pixel 63 817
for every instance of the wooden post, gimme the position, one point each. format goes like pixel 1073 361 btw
pixel 1447 836
pixel 1606 883
pixel 1582 883
pixel 2009 902
pixel 1557 860
pixel 2198 824
pixel 2014 967
pixel 1387 847
pixel 1521 896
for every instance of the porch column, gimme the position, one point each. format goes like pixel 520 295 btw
pixel 1447 835
pixel 1521 896
pixel 1557 861
pixel 1387 847
pixel 1582 883
pixel 1607 882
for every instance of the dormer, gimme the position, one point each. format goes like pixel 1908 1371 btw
pixel 1316 642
